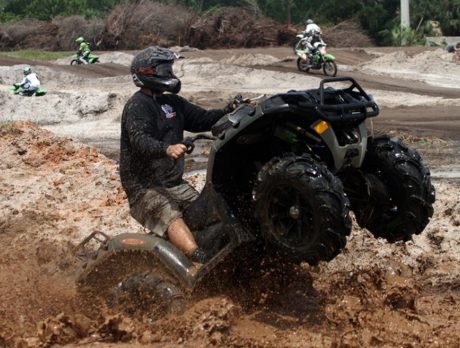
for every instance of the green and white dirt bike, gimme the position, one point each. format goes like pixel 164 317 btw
pixel 92 59
pixel 18 90
pixel 316 60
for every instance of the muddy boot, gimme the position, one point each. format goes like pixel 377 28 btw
pixel 198 256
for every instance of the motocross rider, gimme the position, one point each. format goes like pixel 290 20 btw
pixel 30 83
pixel 83 50
pixel 312 35
pixel 152 149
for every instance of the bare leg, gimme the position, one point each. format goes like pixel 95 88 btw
pixel 180 235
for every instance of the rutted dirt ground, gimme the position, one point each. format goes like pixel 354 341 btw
pixel 57 187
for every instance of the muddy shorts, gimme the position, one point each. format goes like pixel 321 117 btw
pixel 160 206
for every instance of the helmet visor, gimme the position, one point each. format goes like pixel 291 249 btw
pixel 164 70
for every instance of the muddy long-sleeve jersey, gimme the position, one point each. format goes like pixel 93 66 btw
pixel 148 126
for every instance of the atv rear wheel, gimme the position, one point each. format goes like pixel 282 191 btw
pixel 147 293
pixel 397 200
pixel 113 276
pixel 302 209
pixel 330 68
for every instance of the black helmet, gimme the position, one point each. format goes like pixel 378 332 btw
pixel 152 68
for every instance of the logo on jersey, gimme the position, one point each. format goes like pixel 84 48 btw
pixel 168 110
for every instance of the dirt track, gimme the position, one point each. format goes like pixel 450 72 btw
pixel 56 190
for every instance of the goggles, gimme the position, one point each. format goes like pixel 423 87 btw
pixel 161 70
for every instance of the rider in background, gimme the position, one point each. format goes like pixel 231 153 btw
pixel 312 35
pixel 29 84
pixel 83 50
pixel 311 28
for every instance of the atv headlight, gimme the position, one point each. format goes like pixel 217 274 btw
pixel 321 127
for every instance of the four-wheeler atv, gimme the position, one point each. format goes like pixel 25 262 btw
pixel 282 177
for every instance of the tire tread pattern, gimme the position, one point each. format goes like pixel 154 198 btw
pixel 408 180
pixel 325 192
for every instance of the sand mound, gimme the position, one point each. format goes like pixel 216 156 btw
pixel 434 67
pixel 117 58
pixel 251 60
pixel 197 76
pixel 55 107
pixel 47 75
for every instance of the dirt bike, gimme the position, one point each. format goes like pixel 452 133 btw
pixel 92 59
pixel 282 177
pixel 18 90
pixel 318 59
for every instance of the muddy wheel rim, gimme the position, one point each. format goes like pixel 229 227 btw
pixel 291 216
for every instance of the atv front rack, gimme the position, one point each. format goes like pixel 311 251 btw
pixel 351 103
pixel 333 105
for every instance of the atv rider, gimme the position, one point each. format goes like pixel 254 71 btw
pixel 152 149
pixel 29 84
pixel 83 50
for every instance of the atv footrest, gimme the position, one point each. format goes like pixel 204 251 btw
pixel 100 237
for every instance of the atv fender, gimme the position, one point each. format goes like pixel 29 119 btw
pixel 351 154
pixel 171 257
pixel 232 120
pixel 328 56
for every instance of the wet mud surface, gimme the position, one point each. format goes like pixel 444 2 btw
pixel 56 189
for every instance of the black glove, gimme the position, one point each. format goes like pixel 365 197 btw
pixel 236 101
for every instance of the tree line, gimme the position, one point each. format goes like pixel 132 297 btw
pixel 380 18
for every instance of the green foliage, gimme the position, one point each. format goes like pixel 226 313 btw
pixel 8 17
pixel 398 36
pixel 446 12
pixel 337 11
pixel 47 9
pixel 379 17
pixel 35 54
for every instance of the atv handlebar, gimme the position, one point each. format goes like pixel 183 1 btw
pixel 238 100
pixel 189 141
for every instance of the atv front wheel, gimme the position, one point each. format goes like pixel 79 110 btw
pixel 302 209
pixel 74 62
pixel 330 68
pixel 397 200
